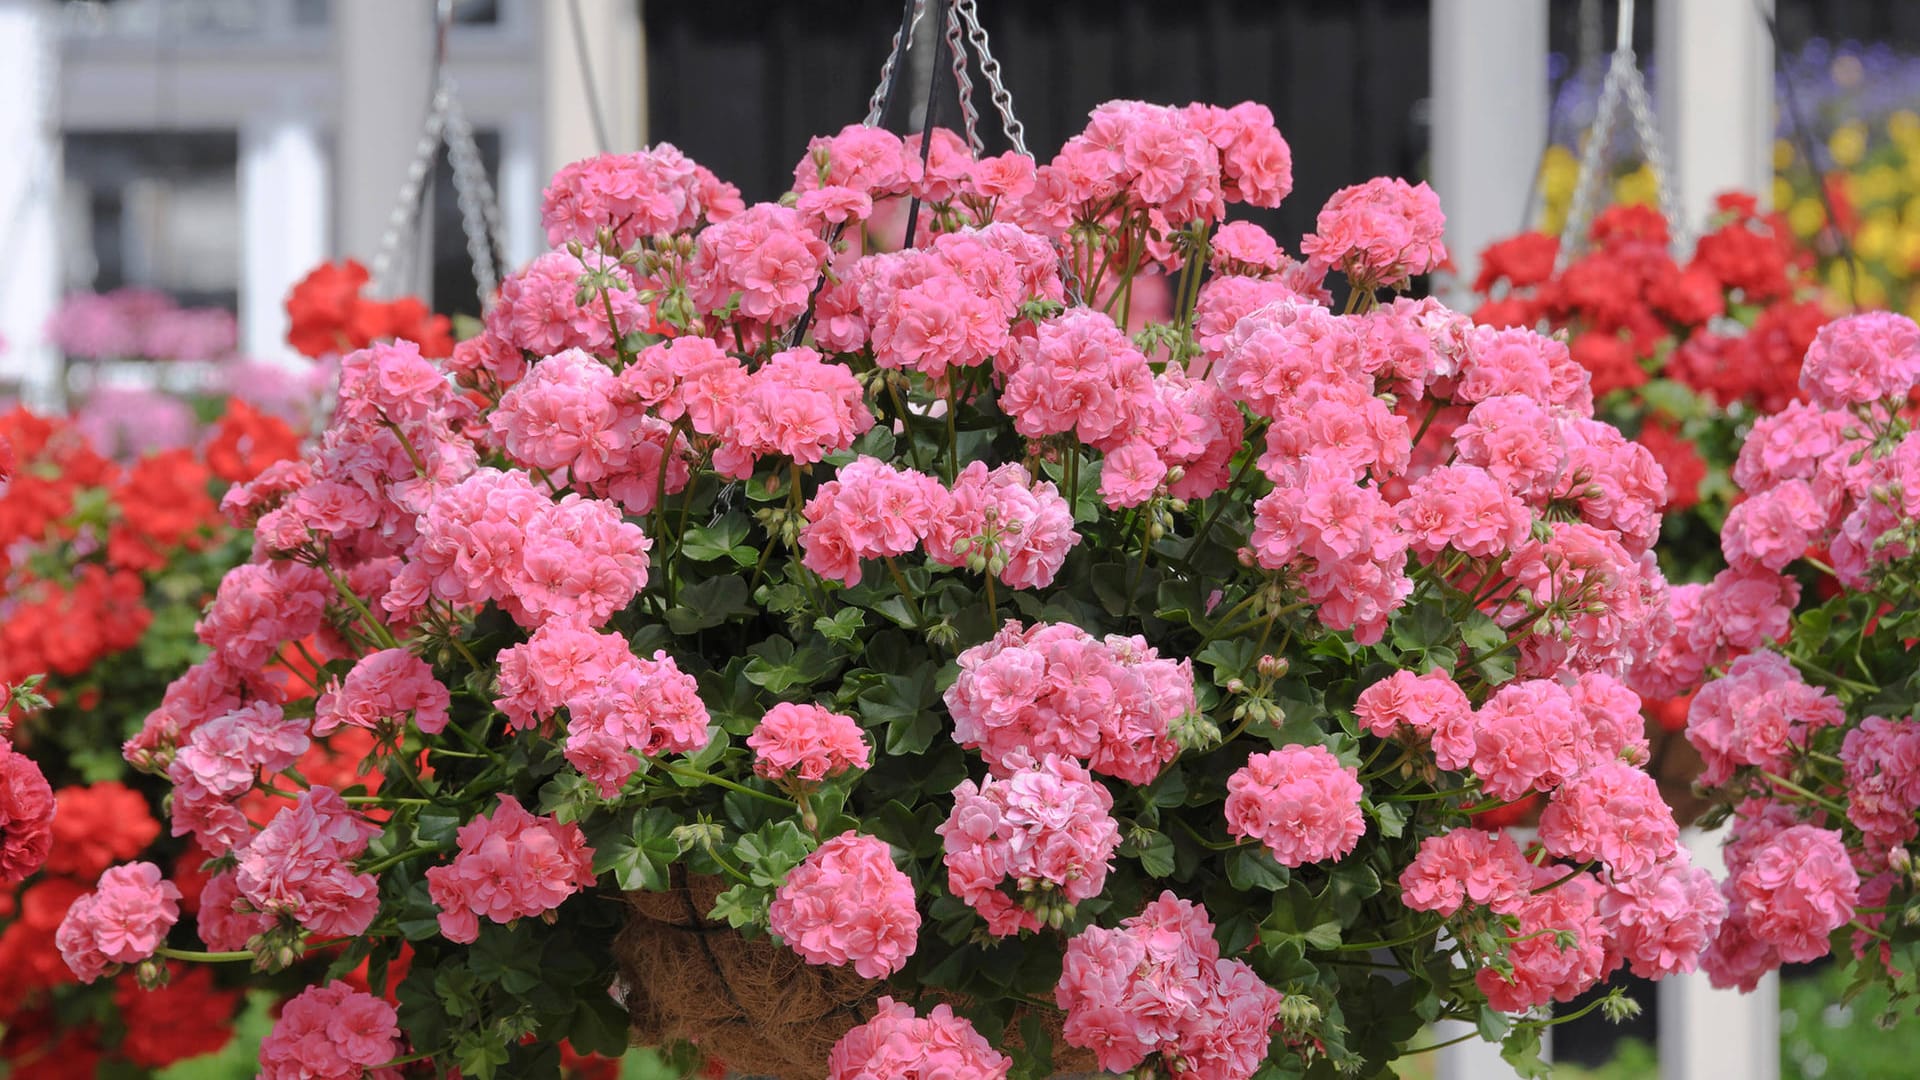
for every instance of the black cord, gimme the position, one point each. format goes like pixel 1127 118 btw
pixel 1803 136
pixel 586 76
pixel 942 57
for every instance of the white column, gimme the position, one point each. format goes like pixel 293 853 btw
pixel 521 182
pixel 1715 64
pixel 1488 113
pixel 612 43
pixel 1706 1034
pixel 29 197
pixel 385 57
pixel 284 220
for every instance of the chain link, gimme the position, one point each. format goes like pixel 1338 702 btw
pixel 957 45
pixel 876 104
pixel 479 211
pixel 990 70
pixel 1623 81
pixel 405 210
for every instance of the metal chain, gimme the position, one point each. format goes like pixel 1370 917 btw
pixel 957 45
pixel 877 103
pixel 990 70
pixel 479 212
pixel 1623 80
pixel 400 223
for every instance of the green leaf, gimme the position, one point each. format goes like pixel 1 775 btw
pixel 710 603
pixel 1391 817
pixel 640 858
pixel 705 543
pixel 1493 1023
pixel 1154 850
pixel 845 626
pixel 778 667
pixel 1254 867
pixel 906 705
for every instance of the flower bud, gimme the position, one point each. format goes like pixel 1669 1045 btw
pixel 151 974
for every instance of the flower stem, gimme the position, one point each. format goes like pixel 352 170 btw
pixel 687 772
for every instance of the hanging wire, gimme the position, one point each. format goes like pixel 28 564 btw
pixel 1623 83
pixel 1803 136
pixel 586 77
pixel 447 125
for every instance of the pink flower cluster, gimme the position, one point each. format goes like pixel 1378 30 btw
pixel 1157 985
pixel 123 921
pixel 1299 801
pixel 1002 522
pixel 561 300
pixel 380 693
pixel 948 305
pixel 763 261
pixel 1056 689
pixel 897 1045
pixel 220 762
pixel 299 869
pixel 1380 233
pixel 226 920
pixel 581 424
pixel 495 537
pixel 1882 760
pixel 848 904
pixel 618 705
pixel 1756 715
pixel 1862 359
pixel 1536 734
pixel 332 1032
pixel 806 744
pixel 1612 813
pixel 509 866
pixel 798 406
pixel 1788 888
pixel 869 510
pixel 637 196
pixel 1046 826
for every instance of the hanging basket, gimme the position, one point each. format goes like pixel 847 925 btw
pixel 753 1004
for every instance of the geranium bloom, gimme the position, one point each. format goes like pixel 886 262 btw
pixel 1002 523
pixel 122 921
pixel 1613 812
pixel 848 904
pixel 806 743
pixel 1048 825
pixel 96 826
pixel 897 1045
pixel 1465 864
pixel 1794 889
pixel 26 815
pixel 1380 232
pixel 1543 970
pixel 381 691
pixel 331 1032
pixel 1299 801
pixel 509 866
pixel 300 867
pixel 1662 921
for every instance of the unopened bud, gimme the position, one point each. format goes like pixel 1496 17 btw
pixel 151 974
pixel 1273 667
pixel 1194 731
pixel 1899 860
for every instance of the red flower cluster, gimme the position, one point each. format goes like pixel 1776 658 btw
pixel 164 505
pixel 1628 304
pixel 65 628
pixel 246 441
pixel 52 462
pixel 329 315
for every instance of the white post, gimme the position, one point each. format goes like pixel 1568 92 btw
pixel 521 183
pixel 1714 60
pixel 1706 1034
pixel 29 198
pixel 1488 113
pixel 385 58
pixel 284 214
pixel 608 42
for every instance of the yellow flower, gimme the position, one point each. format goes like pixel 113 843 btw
pixel 1874 239
pixel 1806 216
pixel 1637 188
pixel 1906 249
pixel 1782 191
pixel 1783 155
pixel 1903 128
pixel 1878 184
pixel 1848 145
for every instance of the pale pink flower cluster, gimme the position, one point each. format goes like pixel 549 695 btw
pixel 260 607
pixel 509 866
pixel 332 1032
pixel 869 510
pixel 1158 985
pixel 496 537
pixel 618 705
pixel 1756 715
pixel 1299 801
pixel 951 304
pixel 1003 522
pixel 226 920
pixel 1662 921
pixel 1536 734
pixel 1862 359
pixel 766 259
pixel 122 921
pixel 1466 864
pixel 299 869
pixel 897 1045
pixel 1882 759
pixel 1056 689
pixel 1788 889
pixel 797 405
pixel 380 693
pixel 560 301
pixel 1048 825
pixel 806 743
pixel 582 425
pixel 206 690
pixel 1612 813
pixel 1427 704
pixel 653 192
pixel 1542 970
pixel 220 761
pixel 1380 233
pixel 848 904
